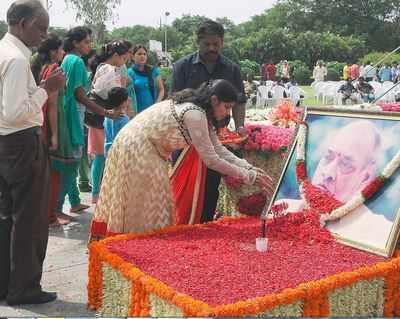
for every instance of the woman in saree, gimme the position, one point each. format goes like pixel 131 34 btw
pixel 48 57
pixel 136 194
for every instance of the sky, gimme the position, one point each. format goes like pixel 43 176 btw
pixel 148 13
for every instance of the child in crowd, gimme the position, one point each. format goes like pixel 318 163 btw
pixel 105 79
pixel 118 99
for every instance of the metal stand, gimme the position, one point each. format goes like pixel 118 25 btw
pixel 263 228
pixel 378 98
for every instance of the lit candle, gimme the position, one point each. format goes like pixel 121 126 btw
pixel 262 244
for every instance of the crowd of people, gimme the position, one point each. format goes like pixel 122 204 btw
pixel 369 72
pixel 353 71
pixel 270 72
pixel 74 119
pixel 358 80
pixel 68 105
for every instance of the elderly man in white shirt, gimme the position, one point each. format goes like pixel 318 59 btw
pixel 24 165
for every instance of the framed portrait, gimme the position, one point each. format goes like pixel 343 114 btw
pixel 345 150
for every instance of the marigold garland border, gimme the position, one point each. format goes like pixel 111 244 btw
pixel 314 293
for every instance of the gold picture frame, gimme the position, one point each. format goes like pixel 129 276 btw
pixel 341 114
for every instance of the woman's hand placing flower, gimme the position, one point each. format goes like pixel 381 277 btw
pixel 264 181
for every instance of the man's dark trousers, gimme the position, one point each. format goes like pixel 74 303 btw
pixel 24 189
pixel 213 179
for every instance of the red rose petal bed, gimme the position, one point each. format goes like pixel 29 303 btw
pixel 218 264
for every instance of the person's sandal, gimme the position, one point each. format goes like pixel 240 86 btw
pixel 64 219
pixel 79 208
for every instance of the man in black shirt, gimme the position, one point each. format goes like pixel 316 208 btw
pixel 348 92
pixel 365 90
pixel 199 67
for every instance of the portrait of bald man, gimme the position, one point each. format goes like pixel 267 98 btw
pixel 24 163
pixel 347 163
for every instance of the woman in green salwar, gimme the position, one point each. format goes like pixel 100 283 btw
pixel 76 44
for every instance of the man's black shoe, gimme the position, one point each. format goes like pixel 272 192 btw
pixel 36 299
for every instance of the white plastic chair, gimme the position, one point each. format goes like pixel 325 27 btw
pixel 262 96
pixel 294 94
pixel 330 93
pixel 278 92
pixel 303 93
pixel 376 85
pixel 319 90
pixel 388 83
pixel 388 97
pixel 269 84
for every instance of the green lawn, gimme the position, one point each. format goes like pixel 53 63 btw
pixel 310 100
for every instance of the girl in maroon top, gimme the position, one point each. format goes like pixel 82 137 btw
pixel 50 54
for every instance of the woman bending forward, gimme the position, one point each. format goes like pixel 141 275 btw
pixel 136 193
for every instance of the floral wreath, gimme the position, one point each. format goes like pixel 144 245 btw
pixel 330 209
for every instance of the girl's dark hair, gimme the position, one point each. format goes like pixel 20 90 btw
pixel 201 97
pixel 137 47
pixel 93 66
pixel 210 27
pixel 116 97
pixel 42 57
pixel 75 34
pixel 128 44
pixel 108 50
pixel 87 57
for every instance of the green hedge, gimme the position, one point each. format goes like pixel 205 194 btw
pixel 335 70
pixel 249 68
pixel 375 57
pixel 166 76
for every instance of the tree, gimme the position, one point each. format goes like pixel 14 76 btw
pixel 276 44
pixel 137 34
pixel 61 32
pixel 95 13
pixel 368 18
pixel 375 57
pixel 249 69
pixel 275 17
pixel 228 24
pixel 188 24
pixel 305 30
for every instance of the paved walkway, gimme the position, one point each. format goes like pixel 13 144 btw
pixel 65 272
